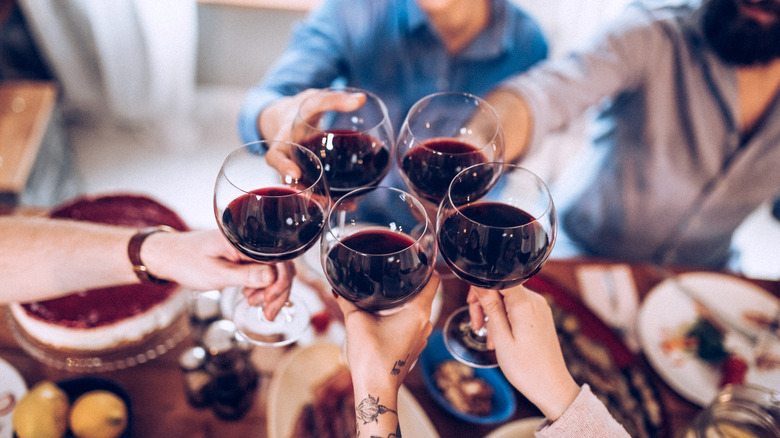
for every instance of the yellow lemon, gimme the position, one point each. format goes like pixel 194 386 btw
pixel 42 412
pixel 98 414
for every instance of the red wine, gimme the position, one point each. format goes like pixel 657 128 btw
pixel 377 269
pixel 351 159
pixel 431 166
pixel 489 245
pixel 273 224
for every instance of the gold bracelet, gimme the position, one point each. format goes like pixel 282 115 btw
pixel 134 254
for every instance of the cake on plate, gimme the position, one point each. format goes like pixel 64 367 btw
pixel 96 322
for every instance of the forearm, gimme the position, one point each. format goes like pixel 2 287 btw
pixel 516 120
pixel 43 258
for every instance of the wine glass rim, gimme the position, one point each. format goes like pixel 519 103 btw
pixel 424 99
pixel 417 203
pixel 287 179
pixel 349 89
pixel 538 179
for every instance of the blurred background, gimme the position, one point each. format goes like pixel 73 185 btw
pixel 149 92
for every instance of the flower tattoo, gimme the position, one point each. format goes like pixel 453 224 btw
pixel 369 410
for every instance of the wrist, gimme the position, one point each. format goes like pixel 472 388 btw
pixel 558 398
pixel 141 252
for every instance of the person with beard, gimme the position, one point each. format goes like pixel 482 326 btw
pixel 686 142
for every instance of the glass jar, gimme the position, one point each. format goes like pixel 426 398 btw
pixel 742 411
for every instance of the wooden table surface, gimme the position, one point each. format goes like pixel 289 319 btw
pixel 160 408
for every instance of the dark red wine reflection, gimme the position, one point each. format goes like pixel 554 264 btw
pixel 350 159
pixel 273 224
pixel 377 269
pixel 431 166
pixel 493 245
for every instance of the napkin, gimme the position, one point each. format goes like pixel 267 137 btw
pixel 610 292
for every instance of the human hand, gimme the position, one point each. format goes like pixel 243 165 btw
pixel 205 260
pixel 381 349
pixel 278 120
pixel 520 325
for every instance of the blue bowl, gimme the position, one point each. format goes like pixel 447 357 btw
pixel 503 401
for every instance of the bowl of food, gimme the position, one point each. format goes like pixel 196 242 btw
pixel 476 395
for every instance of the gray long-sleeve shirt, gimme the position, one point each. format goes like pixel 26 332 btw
pixel 670 176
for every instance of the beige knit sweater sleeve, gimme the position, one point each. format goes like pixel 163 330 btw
pixel 586 417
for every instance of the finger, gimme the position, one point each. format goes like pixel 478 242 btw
pixel 476 315
pixel 346 307
pixel 334 100
pixel 279 159
pixel 273 305
pixel 493 306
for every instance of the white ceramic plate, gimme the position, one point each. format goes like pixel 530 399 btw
pixel 11 385
pixel 667 311
pixel 517 429
pixel 302 369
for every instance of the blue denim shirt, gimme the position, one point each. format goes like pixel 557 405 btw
pixel 388 47
pixel 669 176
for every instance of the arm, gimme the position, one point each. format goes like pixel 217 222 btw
pixel 45 258
pixel 521 326
pixel 556 92
pixel 381 350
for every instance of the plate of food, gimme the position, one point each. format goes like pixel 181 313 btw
pixel 697 352
pixel 310 394
pixel 476 395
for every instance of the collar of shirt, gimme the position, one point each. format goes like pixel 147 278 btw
pixel 490 43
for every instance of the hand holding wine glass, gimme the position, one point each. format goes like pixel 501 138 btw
pixel 354 143
pixel 270 217
pixel 444 133
pixel 277 119
pixel 492 244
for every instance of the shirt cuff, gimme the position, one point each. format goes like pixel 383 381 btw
pixel 254 103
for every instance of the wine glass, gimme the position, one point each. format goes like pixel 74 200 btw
pixel 492 241
pixel 270 217
pixel 442 134
pixel 375 262
pixel 354 145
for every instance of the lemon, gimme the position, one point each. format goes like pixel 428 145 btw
pixel 42 412
pixel 98 414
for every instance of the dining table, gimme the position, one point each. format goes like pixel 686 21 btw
pixel 160 407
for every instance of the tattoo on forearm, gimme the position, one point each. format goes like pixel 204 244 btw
pixel 369 410
pixel 398 365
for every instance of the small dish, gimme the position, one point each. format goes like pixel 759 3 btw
pixel 503 401
pixel 81 385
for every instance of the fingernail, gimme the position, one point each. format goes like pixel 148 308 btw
pixel 266 276
pixel 335 294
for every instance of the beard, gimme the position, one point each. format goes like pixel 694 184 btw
pixel 740 40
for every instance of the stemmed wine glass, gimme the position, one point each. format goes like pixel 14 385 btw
pixel 270 218
pixel 442 134
pixel 354 145
pixel 492 244
pixel 373 261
